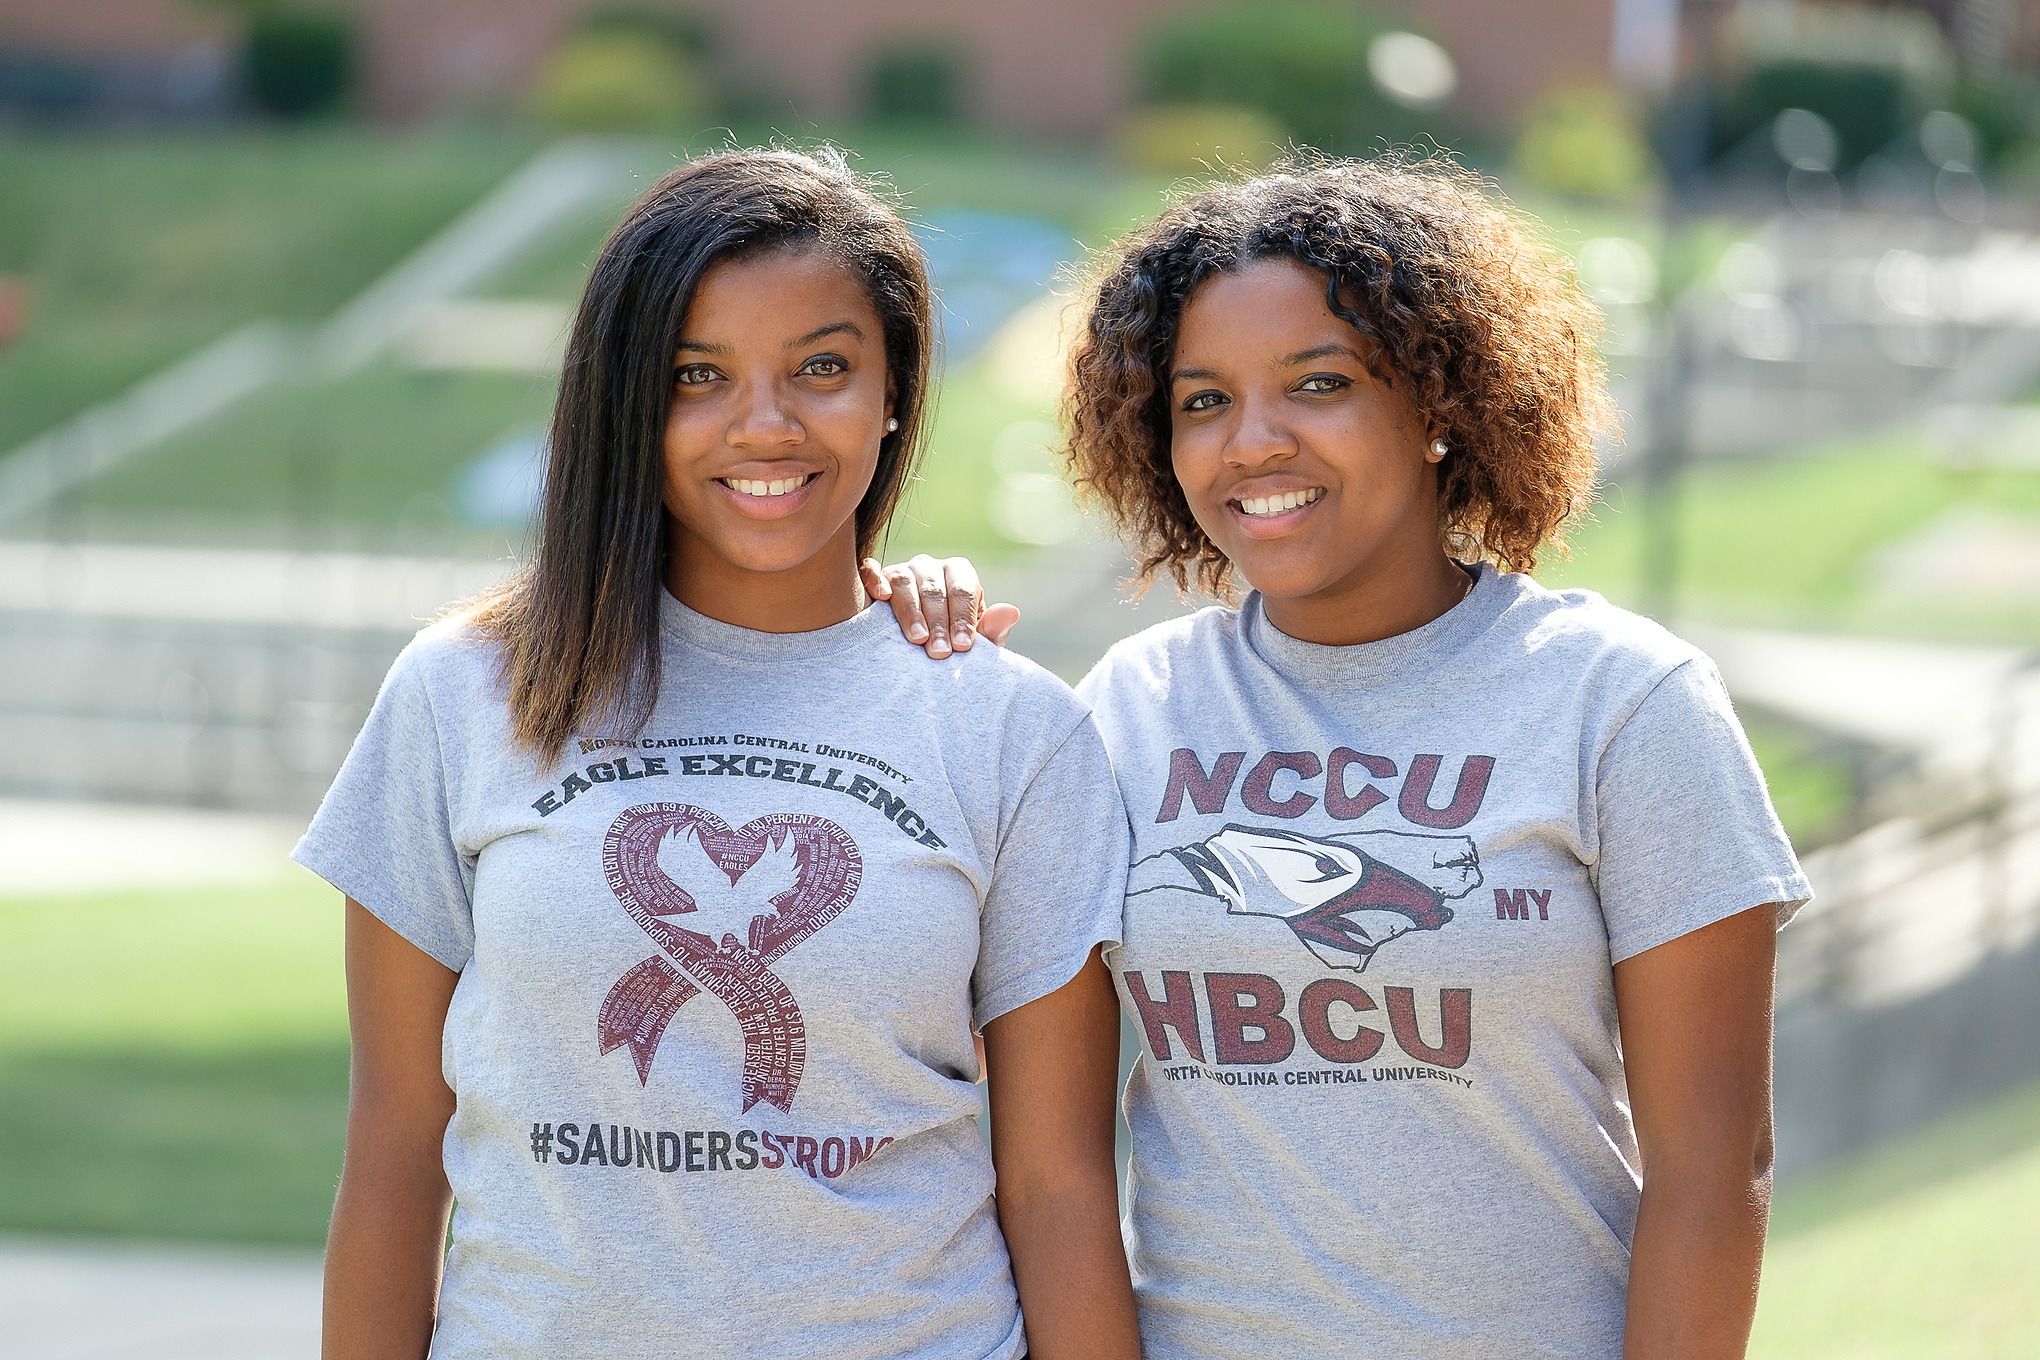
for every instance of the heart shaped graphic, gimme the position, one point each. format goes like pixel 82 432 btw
pixel 827 870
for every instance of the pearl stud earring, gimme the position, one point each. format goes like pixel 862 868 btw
pixel 892 426
pixel 1439 448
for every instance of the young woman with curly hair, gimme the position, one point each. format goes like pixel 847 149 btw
pixel 1450 929
pixel 677 887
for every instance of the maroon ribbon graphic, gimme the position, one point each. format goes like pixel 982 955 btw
pixel 645 999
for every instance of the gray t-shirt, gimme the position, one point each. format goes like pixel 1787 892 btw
pixel 1377 895
pixel 711 1041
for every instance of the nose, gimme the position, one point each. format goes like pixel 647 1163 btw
pixel 1259 437
pixel 764 421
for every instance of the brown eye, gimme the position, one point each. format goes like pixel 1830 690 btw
pixel 824 366
pixel 691 375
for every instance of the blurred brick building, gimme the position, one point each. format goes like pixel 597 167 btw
pixel 1048 66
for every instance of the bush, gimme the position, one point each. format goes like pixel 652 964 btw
pixel 615 80
pixel 1181 138
pixel 1303 63
pixel 918 82
pixel 1584 141
pixel 296 65
pixel 683 32
pixel 2002 109
pixel 1867 105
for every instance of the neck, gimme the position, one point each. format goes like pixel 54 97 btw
pixel 822 591
pixel 1381 600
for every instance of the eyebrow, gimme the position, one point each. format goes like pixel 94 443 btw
pixel 1304 356
pixel 833 328
pixel 1180 374
pixel 818 333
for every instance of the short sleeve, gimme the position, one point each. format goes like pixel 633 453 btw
pixel 383 834
pixel 1059 881
pixel 1686 833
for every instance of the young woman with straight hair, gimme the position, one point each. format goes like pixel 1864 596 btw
pixel 677 888
pixel 1450 926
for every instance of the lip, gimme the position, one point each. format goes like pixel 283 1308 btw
pixel 1272 526
pixel 768 507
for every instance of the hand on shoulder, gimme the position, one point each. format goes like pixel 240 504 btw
pixel 939 603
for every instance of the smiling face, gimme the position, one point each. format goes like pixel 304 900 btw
pixel 1304 459
pixel 780 399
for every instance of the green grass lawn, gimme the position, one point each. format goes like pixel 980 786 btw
pixel 1927 1247
pixel 140 248
pixel 1786 541
pixel 173 1065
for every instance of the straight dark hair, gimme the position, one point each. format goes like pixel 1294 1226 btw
pixel 579 627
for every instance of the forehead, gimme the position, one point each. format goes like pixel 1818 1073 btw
pixel 1269 303
pixel 791 289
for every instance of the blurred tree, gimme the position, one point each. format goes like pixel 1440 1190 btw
pixel 1870 71
pixel 1304 63
pixel 2004 109
pixel 1183 138
pixel 1584 140
pixel 682 30
pixel 1867 105
pixel 628 69
pixel 297 63
pixel 915 81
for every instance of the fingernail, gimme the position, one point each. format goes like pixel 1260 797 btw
pixel 916 633
pixel 939 647
pixel 963 639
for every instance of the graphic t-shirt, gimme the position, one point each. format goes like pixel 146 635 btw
pixel 712 1038
pixel 1376 895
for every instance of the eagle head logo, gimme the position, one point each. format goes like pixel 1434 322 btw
pixel 1344 895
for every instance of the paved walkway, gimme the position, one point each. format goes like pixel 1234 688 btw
pixel 72 1301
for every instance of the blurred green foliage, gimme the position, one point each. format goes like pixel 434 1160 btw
pixel 1183 139
pixel 1585 140
pixel 2004 108
pixel 1867 105
pixel 298 63
pixel 1301 62
pixel 616 79
pixel 916 81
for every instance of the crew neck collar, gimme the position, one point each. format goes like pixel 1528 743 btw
pixel 687 627
pixel 1372 663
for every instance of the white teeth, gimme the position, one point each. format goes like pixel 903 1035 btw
pixel 746 487
pixel 1276 504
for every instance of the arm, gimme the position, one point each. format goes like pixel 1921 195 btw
pixel 936 602
pixel 1696 1041
pixel 388 1238
pixel 1052 1068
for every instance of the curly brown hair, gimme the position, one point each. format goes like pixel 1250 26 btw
pixel 1483 319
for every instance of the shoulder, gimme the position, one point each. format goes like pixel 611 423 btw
pixel 1580 627
pixel 1150 660
pixel 990 677
pixel 1610 657
pixel 450 661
